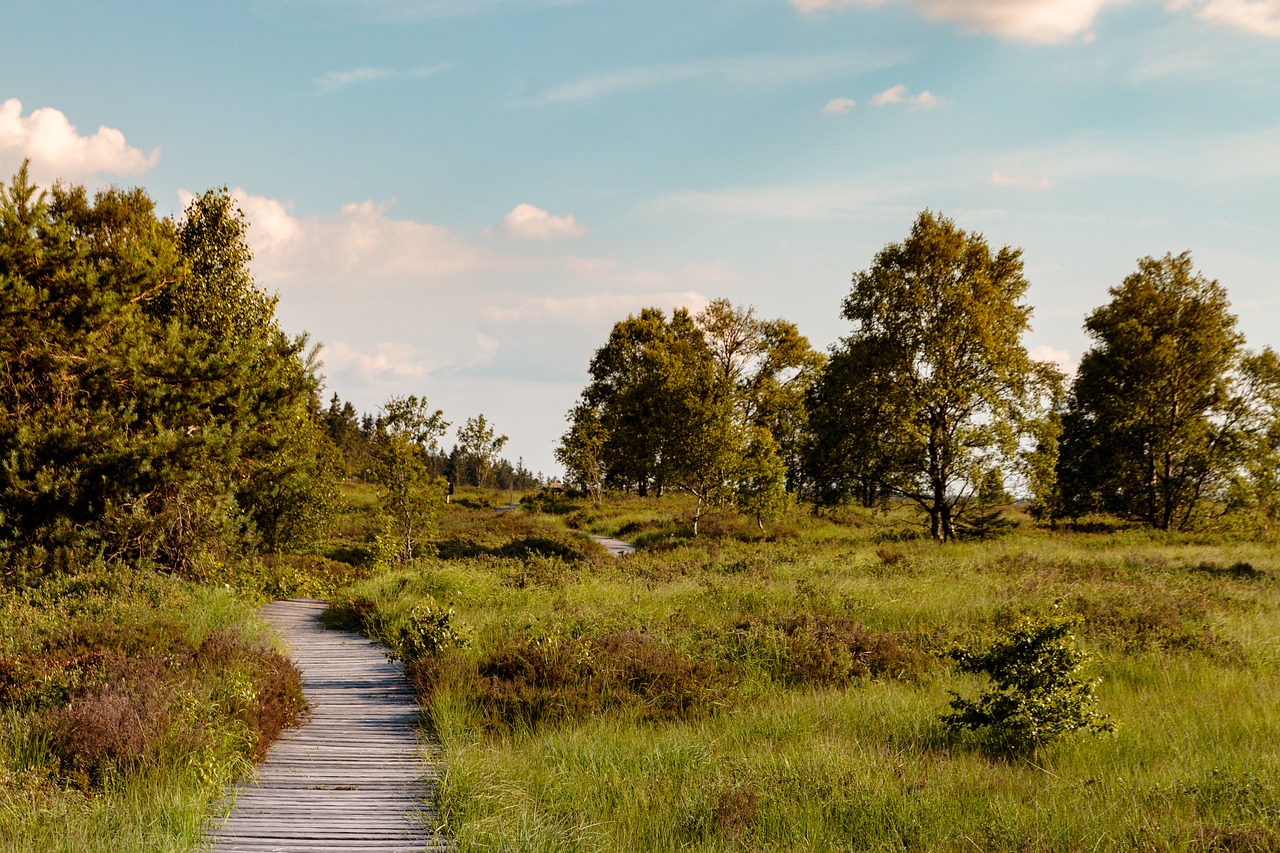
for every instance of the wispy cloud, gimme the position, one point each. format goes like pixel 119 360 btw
pixel 1026 20
pixel 1042 21
pixel 1052 21
pixel 1260 17
pixel 333 81
pixel 56 148
pixel 756 69
pixel 836 106
pixel 385 364
pixel 899 95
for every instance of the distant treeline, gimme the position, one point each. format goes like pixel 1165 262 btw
pixel 153 411
pixel 933 399
pixel 355 434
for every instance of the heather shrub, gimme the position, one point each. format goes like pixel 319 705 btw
pixel 524 681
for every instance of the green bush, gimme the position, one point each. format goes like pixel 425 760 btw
pixel 1037 695
pixel 427 631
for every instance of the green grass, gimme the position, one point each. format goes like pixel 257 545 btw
pixel 556 737
pixel 744 690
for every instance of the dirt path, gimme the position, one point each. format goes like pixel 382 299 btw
pixel 354 777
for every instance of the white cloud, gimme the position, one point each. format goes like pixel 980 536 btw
pixel 361 241
pixel 1261 17
pixel 57 150
pixel 1004 179
pixel 1059 357
pixel 332 81
pixel 526 222
pixel 1050 21
pixel 899 95
pixel 1027 20
pixel 836 106
pixel 386 364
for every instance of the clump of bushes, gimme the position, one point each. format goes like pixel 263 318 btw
pixel 425 629
pixel 107 699
pixel 466 533
pixel 526 681
pixel 801 648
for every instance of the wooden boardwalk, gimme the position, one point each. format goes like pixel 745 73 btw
pixel 353 777
pixel 616 547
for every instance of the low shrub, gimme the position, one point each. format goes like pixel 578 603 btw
pixel 525 681
pixel 1037 694
pixel 819 649
pixel 109 698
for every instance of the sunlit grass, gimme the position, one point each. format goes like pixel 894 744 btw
pixel 1181 630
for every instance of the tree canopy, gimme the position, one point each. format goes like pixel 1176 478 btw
pixel 934 386
pixel 699 403
pixel 150 406
pixel 1168 409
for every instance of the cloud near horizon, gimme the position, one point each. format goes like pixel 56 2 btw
pixel 56 149
pixel 376 290
pixel 362 240
pixel 385 365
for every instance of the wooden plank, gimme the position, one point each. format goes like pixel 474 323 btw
pixel 355 777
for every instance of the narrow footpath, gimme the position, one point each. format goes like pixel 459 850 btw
pixel 354 776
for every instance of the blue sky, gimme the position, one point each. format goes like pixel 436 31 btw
pixel 458 198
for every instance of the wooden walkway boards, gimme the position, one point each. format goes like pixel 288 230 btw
pixel 353 777
pixel 616 547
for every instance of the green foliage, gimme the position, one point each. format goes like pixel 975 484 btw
pixel 581 451
pixel 710 405
pixel 479 445
pixel 1167 409
pixel 762 487
pixel 798 669
pixel 151 409
pixel 426 631
pixel 129 700
pixel 411 496
pixel 934 385
pixel 1037 694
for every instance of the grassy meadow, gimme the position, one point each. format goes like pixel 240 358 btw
pixel 745 690
pixel 783 690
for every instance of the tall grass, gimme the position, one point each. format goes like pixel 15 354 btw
pixel 796 740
